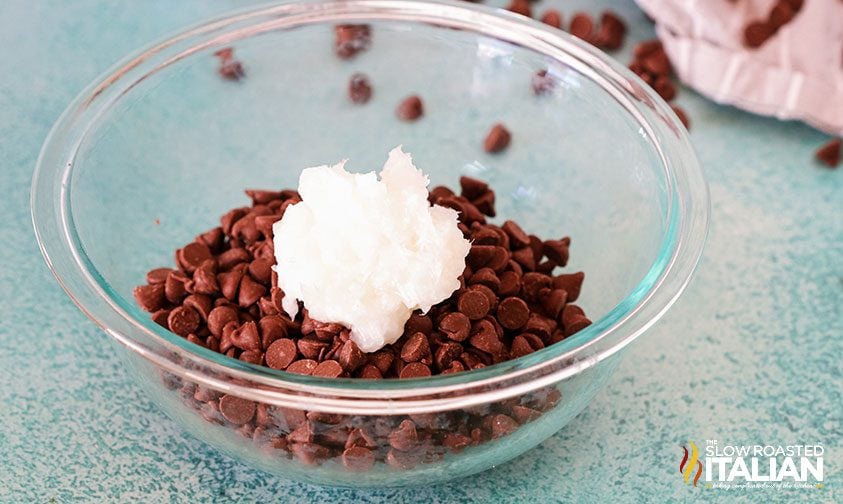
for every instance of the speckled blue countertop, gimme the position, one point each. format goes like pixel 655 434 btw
pixel 751 354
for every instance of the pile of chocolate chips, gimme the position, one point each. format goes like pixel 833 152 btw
pixel 223 295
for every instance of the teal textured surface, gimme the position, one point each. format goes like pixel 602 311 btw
pixel 751 353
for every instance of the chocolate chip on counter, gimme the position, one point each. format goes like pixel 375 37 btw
pixel 542 83
pixel 358 459
pixel 552 17
pixel 473 304
pixel 404 437
pixel 304 367
pixel 150 297
pixel 611 33
pixel 236 409
pixel 328 369
pixel 683 117
pixel 497 139
pixel 183 320
pixel 829 153
pixel 415 370
pixel 410 109
pixel 520 7
pixel 359 89
pixel 351 39
pixel 513 313
pixel 582 26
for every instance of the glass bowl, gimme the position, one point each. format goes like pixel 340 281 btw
pixel 148 155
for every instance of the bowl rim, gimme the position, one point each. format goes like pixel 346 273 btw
pixel 688 210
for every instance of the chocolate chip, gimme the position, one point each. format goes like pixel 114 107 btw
pixel 404 437
pixel 174 287
pixel 158 275
pixel 758 32
pixel 542 83
pixel 402 460
pixel 510 283
pixel 272 328
pixel 513 313
pixel 474 305
pixel 557 250
pixel 370 372
pixel 552 17
pixel 487 277
pixel 502 425
pixel 520 7
pixel 261 270
pixel 250 291
pixel 281 353
pixel 192 255
pixel 359 89
pixel 780 14
pixel 150 297
pixel 304 367
pixel 456 326
pixel 219 317
pixel 472 188
pixel 484 337
pixel 570 283
pixel 415 370
pixel 446 354
pixel 665 88
pixel 230 283
pixel 183 320
pixel 523 414
pixel 582 26
pixel 252 356
pixel 160 317
pixel 525 258
pixel 418 323
pixel 350 39
pixel 612 31
pixel 232 257
pixel 657 63
pixel 309 453
pixel 410 109
pixel 416 348
pixel 350 356
pixel 829 153
pixel 328 369
pixel 201 303
pixel 236 409
pixel 517 237
pixel 497 139
pixel 358 459
pixel 205 280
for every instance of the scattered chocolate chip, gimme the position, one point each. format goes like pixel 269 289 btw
pixel 410 109
pixel 304 366
pixel 520 7
pixel 158 275
pixel 552 17
pixel 359 89
pixel 358 459
pixel 497 139
pixel 611 33
pixel 404 437
pixel 473 305
pixel 582 26
pixel 183 320
pixel 351 39
pixel 236 409
pixel 513 313
pixel 829 153
pixel 758 32
pixel 415 370
pixel 150 297
pixel 281 353
pixel 502 425
pixel 328 369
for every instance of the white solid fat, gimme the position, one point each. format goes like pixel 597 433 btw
pixel 365 252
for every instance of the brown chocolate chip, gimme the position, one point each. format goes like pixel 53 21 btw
pixel 418 323
pixel 252 356
pixel 250 291
pixel 557 250
pixel 513 313
pixel 533 284
pixel 404 437
pixel 542 83
pixel 552 17
pixel 236 409
pixel 311 348
pixel 524 414
pixel 350 39
pixel 328 369
pixel 359 89
pixel 261 270
pixel 517 237
pixel 175 286
pixel 192 255
pixel 231 70
pixel 272 328
pixel 487 277
pixel 484 337
pixel 665 88
pixel 497 139
pixel 402 460
pixel 158 275
pixel 502 425
pixel 232 257
pixel 160 317
pixel 657 63
pixel 358 459
pixel 446 354
pixel 472 188
pixel 553 302
pixel 205 281
pixel 415 370
pixel 150 297
pixel 683 117
pixel 309 453
pixel 582 26
pixel 350 356
pixel 246 337
pixel 230 283
pixel 781 14
pixel 202 303
pixel 416 348
pixel 612 31
pixel 410 109
pixel 570 283
pixel 183 320
pixel 829 153
pixel 525 258
pixel 473 304
pixel 370 372
pixel 456 326
pixel 219 317
pixel 510 283
pixel 758 32
pixel 304 367
pixel 520 7
pixel 281 353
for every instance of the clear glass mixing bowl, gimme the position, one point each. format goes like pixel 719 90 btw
pixel 148 155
